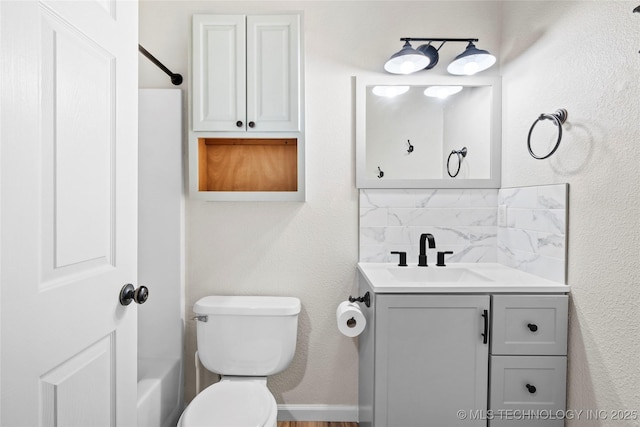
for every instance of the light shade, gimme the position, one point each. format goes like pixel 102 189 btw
pixel 471 61
pixel 430 52
pixel 406 61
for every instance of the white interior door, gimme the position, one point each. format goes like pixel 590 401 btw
pixel 68 189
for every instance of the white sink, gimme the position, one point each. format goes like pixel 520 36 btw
pixel 454 278
pixel 435 275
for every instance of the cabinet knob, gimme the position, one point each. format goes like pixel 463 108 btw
pixel 239 123
pixel 532 327
pixel 252 124
pixel 531 388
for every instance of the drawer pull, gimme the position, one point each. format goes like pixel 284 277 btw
pixel 485 334
pixel 532 327
pixel 531 388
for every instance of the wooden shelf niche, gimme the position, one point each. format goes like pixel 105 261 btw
pixel 245 164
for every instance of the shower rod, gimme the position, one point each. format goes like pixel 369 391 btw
pixel 176 79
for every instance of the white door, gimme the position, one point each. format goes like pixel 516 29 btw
pixel 68 120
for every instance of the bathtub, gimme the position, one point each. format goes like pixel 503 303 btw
pixel 159 385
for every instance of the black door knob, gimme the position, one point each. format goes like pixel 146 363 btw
pixel 239 124
pixel 532 327
pixel 531 388
pixel 128 294
pixel 252 124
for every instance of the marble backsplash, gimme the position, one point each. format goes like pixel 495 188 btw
pixel 532 237
pixel 462 221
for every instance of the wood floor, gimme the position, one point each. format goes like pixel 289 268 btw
pixel 315 424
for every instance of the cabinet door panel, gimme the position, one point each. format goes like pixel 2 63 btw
pixel 219 72
pixel 273 73
pixel 431 360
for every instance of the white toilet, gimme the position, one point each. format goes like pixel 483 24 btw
pixel 244 339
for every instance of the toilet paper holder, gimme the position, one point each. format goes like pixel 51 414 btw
pixel 366 299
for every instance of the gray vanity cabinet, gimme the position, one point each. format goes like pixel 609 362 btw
pixel 431 360
pixel 528 360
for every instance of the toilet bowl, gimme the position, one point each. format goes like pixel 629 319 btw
pixel 244 339
pixel 232 402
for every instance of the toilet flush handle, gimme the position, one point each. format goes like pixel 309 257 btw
pixel 201 318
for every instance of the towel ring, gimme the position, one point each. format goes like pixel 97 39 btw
pixel 461 155
pixel 559 117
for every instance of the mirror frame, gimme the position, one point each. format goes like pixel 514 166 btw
pixel 496 131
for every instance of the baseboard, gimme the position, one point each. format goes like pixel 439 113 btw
pixel 334 413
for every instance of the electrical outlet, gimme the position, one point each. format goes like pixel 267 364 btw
pixel 502 215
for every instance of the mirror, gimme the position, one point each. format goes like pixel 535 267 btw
pixel 428 132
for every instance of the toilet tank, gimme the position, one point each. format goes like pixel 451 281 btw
pixel 246 335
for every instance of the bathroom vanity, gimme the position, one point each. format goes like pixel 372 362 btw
pixel 462 345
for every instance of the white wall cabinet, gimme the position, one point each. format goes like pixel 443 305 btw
pixel 425 358
pixel 247 108
pixel 246 73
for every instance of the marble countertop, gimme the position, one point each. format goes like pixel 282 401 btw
pixel 455 278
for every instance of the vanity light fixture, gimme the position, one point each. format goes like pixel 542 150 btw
pixel 409 60
pixel 471 61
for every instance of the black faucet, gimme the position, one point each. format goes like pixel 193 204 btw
pixel 422 258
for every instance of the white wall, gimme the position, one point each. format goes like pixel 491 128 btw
pixel 310 249
pixel 583 56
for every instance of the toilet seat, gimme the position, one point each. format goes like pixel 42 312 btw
pixel 231 404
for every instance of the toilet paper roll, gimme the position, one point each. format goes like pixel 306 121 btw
pixel 351 321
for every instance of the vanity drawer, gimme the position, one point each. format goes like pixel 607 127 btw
pixel 529 324
pixel 527 390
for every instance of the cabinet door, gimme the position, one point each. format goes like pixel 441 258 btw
pixel 431 360
pixel 273 73
pixel 219 73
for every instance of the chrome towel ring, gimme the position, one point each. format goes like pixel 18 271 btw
pixel 461 155
pixel 559 117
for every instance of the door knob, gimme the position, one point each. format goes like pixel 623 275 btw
pixel 128 293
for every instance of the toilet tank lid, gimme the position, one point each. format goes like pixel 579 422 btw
pixel 248 305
